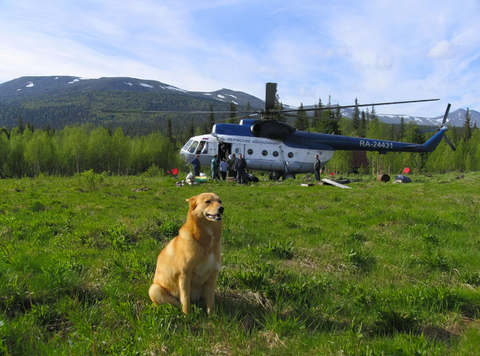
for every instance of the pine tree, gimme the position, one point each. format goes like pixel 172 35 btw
pixel 401 132
pixel 316 116
pixel 467 126
pixel 4 149
pixel 169 130
pixel 21 126
pixel 191 129
pixel 211 118
pixel 278 107
pixel 301 122
pixel 233 119
pixel 362 128
pixel 356 116
pixel 373 114
pixel 391 135
pixel 336 122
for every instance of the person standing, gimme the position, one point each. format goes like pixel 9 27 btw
pixel 231 165
pixel 240 167
pixel 316 167
pixel 224 168
pixel 196 165
pixel 214 168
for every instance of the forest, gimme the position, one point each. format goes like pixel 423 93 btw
pixel 28 151
pixel 59 110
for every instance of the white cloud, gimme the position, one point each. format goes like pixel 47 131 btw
pixel 374 50
pixel 443 50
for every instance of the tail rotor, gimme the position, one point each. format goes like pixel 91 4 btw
pixel 445 128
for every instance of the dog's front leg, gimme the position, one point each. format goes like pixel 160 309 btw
pixel 208 292
pixel 184 284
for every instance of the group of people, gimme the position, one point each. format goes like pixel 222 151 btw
pixel 234 167
pixel 237 167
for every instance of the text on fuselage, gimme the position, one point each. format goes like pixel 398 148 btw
pixel 376 144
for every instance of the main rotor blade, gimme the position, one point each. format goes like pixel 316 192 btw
pixel 174 112
pixel 270 94
pixel 301 117
pixel 446 115
pixel 358 105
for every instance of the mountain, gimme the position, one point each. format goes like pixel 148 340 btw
pixel 30 87
pixel 455 118
pixel 57 101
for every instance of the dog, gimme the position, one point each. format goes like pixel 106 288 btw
pixel 187 268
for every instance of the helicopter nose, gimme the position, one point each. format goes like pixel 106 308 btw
pixel 185 156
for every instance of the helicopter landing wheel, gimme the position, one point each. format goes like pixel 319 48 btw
pixel 274 175
pixel 288 176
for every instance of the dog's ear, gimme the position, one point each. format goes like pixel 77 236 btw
pixel 192 202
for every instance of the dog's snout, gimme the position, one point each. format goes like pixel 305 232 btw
pixel 220 209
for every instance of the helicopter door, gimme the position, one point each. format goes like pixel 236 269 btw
pixel 224 150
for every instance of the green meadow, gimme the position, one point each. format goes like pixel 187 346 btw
pixel 380 269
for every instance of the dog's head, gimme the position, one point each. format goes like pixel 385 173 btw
pixel 206 205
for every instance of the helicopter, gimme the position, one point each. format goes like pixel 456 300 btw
pixel 277 147
pixel 268 144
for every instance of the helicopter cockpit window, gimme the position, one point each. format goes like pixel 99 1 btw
pixel 190 146
pixel 250 151
pixel 275 154
pixel 187 145
pixel 264 152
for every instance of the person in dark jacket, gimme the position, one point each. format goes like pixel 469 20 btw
pixel 316 167
pixel 240 167
pixel 196 165
pixel 214 168
pixel 231 165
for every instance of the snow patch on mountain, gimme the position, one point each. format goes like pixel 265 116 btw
pixel 170 87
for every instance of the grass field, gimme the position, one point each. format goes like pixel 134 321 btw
pixel 380 269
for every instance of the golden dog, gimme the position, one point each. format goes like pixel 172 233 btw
pixel 188 266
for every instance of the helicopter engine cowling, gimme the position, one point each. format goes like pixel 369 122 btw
pixel 271 129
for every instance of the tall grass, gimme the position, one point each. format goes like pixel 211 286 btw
pixel 381 269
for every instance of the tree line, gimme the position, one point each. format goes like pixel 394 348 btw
pixel 76 149
pixel 26 151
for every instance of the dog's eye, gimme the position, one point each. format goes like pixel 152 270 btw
pixel 219 201
pixel 208 202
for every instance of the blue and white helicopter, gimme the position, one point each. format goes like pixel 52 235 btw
pixel 277 147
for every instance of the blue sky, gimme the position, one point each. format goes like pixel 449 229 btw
pixel 372 50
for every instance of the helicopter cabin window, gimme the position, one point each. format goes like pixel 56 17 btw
pixel 190 146
pixel 290 154
pixel 264 152
pixel 202 147
pixel 275 154
pixel 250 151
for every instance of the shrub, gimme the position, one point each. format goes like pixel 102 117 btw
pixel 92 180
